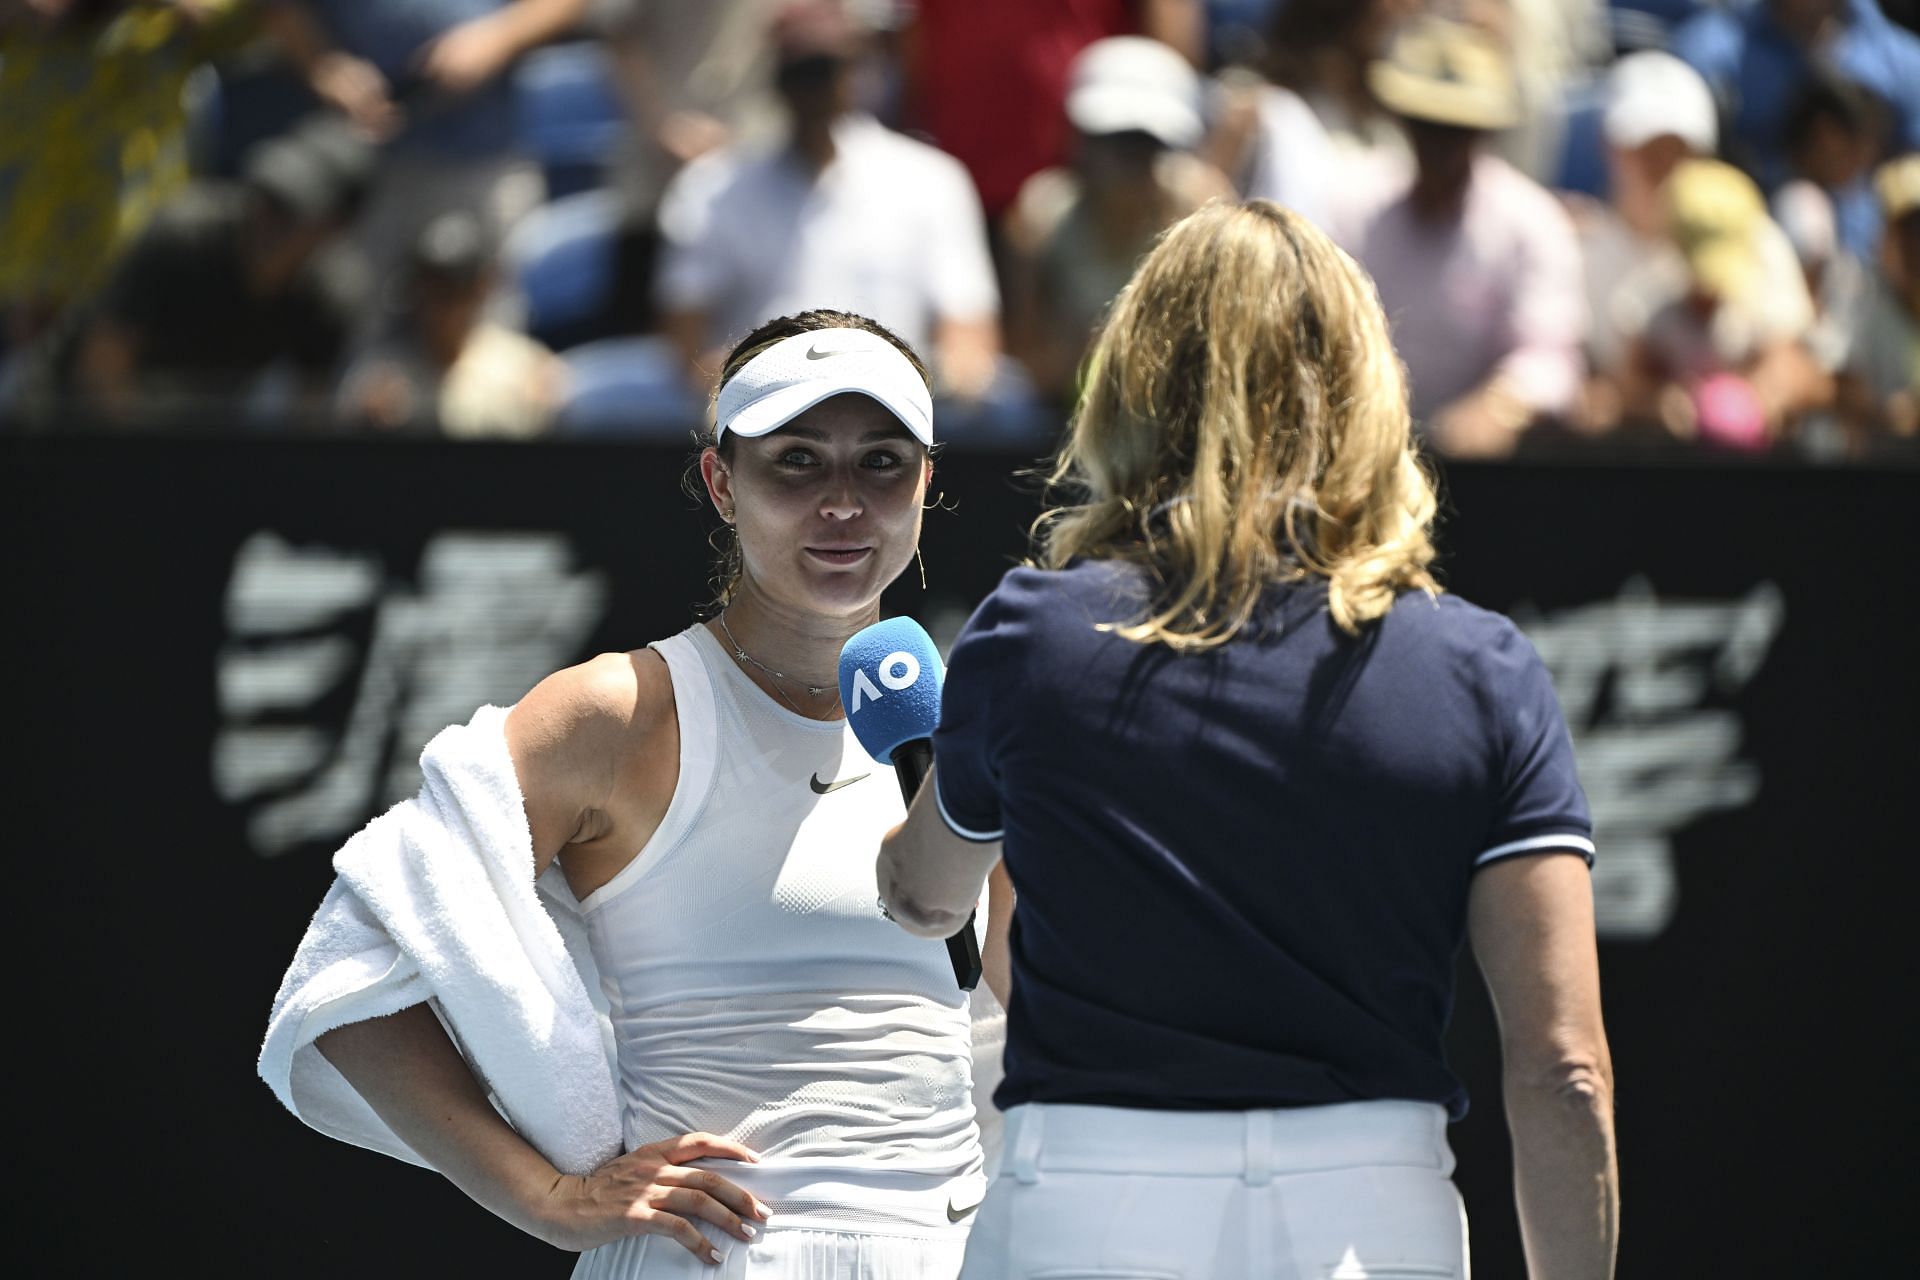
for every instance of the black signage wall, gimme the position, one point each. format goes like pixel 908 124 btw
pixel 225 655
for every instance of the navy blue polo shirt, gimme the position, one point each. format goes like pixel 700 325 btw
pixel 1242 874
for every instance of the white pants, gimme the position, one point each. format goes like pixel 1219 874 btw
pixel 844 1225
pixel 1358 1191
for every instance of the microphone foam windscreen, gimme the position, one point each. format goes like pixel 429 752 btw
pixel 890 676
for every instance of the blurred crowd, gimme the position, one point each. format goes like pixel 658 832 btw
pixel 1598 229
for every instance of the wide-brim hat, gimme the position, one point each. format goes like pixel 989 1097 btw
pixel 797 373
pixel 1448 73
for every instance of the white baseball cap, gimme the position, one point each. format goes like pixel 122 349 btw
pixel 1651 94
pixel 1125 84
pixel 796 373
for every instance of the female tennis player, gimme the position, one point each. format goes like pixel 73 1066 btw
pixel 793 1070
pixel 1234 691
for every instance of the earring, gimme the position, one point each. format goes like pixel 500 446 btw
pixel 922 562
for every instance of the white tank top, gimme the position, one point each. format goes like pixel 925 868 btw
pixel 754 987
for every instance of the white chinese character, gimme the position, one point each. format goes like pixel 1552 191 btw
pixel 1635 675
pixel 486 617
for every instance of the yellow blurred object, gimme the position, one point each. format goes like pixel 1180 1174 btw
pixel 1713 213
pixel 1897 183
pixel 108 140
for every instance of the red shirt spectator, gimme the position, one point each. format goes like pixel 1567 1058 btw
pixel 987 77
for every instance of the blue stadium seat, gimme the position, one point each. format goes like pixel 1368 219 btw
pixel 1583 147
pixel 562 257
pixel 570 115
pixel 629 387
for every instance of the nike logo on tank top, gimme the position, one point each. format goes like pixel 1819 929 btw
pixel 754 988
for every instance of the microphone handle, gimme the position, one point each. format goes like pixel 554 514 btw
pixel 912 762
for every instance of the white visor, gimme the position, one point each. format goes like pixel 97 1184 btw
pixel 797 373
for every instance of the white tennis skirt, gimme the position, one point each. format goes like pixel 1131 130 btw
pixel 828 1224
pixel 1358 1191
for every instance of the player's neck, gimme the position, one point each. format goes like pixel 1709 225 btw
pixel 799 643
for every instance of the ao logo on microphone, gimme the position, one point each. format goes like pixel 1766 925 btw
pixel 898 670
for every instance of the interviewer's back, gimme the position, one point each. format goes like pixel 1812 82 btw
pixel 1246 867
pixel 1254 777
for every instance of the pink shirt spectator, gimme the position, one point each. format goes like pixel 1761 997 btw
pixel 1497 291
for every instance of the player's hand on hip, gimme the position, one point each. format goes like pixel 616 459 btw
pixel 648 1191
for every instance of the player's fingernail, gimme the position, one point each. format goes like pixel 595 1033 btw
pixel 760 1208
pixel 749 1230
pixel 715 1255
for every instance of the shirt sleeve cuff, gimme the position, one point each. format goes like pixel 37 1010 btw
pixel 965 833
pixel 1562 843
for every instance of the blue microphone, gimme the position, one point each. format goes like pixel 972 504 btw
pixel 890 675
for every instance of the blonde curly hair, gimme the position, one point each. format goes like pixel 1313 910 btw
pixel 1244 422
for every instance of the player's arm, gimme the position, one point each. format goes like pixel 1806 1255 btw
pixel 929 876
pixel 570 739
pixel 405 1066
pixel 1531 921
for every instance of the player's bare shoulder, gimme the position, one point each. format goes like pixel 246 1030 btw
pixel 587 742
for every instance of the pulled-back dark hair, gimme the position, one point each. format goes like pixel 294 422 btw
pixel 724 540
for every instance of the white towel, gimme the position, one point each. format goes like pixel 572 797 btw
pixel 436 899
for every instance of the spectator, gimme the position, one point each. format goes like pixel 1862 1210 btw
pixel 986 78
pixel 1728 362
pixel 1835 280
pixel 1835 133
pixel 1075 234
pixel 1759 55
pixel 430 78
pixel 448 368
pixel 694 77
pixel 1805 215
pixel 1271 145
pixel 104 85
pixel 691 79
pixel 1657 114
pixel 1554 44
pixel 1880 377
pixel 1321 49
pixel 841 213
pixel 233 282
pixel 1477 265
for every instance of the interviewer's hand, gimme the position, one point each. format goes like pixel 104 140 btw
pixel 647 1193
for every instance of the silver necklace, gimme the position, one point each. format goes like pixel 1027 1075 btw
pixel 741 655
